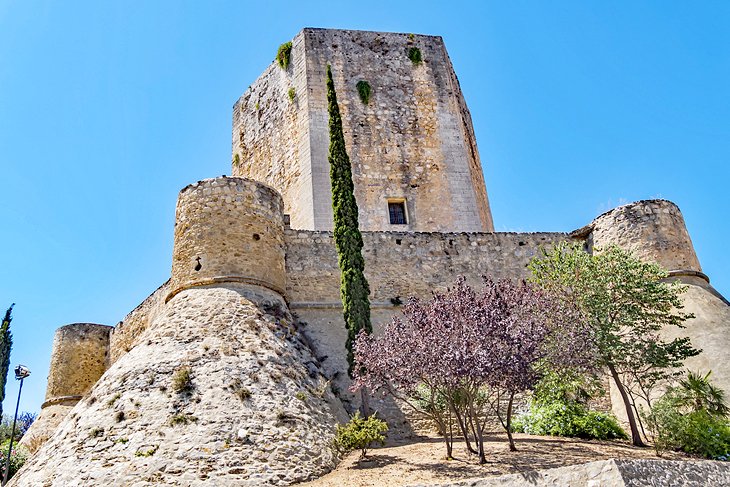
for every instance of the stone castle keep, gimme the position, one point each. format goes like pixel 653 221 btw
pixel 252 308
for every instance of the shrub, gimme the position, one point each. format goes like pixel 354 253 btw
pixel 359 434
pixel 414 54
pixel 574 420
pixel 283 55
pixel 17 457
pixel 363 89
pixel 292 94
pixel 692 417
pixel 182 380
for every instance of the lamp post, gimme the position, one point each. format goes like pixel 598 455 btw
pixel 21 372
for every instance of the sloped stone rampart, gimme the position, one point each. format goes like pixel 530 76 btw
pixel 258 411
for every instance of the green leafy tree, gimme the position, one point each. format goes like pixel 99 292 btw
pixel 6 343
pixel 354 288
pixel 626 302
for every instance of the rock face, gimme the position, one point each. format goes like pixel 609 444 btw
pixel 255 411
pixel 615 473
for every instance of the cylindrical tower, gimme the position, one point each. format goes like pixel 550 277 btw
pixel 80 356
pixel 228 230
pixel 653 230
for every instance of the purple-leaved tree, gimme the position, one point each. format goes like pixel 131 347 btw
pixel 464 352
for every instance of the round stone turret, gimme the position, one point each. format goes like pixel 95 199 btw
pixel 228 230
pixel 653 230
pixel 79 358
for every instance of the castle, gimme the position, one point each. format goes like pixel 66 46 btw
pixel 226 372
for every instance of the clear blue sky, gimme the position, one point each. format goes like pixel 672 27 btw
pixel 106 112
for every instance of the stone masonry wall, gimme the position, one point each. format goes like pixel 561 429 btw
pixel 270 135
pixel 397 265
pixel 411 141
pixel 127 333
pixel 226 230
pixel 653 229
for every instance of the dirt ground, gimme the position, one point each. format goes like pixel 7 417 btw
pixel 422 460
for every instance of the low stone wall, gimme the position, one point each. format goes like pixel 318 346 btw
pixel 614 473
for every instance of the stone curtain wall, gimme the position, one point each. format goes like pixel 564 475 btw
pixel 127 333
pixel 227 230
pixel 402 264
pixel 271 138
pixel 397 264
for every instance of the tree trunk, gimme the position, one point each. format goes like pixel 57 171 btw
pixel 512 446
pixel 463 428
pixel 635 434
pixel 364 402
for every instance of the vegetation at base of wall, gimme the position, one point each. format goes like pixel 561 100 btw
pixel 183 419
pixel 572 420
pixel 692 417
pixel 292 94
pixel 559 407
pixel 283 55
pixel 182 380
pixel 465 355
pixel 624 302
pixel 363 89
pixel 414 54
pixel 354 290
pixel 6 344
pixel 18 457
pixel 359 434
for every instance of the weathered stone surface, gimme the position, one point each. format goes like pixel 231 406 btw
pixel 79 357
pixel 614 473
pixel 414 140
pixel 134 428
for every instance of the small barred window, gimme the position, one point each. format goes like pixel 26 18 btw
pixel 397 212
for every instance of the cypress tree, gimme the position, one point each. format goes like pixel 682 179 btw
pixel 354 288
pixel 6 343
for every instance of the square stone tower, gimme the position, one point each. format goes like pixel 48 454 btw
pixel 415 161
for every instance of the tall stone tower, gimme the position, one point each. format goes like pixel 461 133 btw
pixel 414 157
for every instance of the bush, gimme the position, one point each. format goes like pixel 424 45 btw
pixel 571 419
pixel 692 418
pixel 359 434
pixel 283 55
pixel 182 380
pixel 17 457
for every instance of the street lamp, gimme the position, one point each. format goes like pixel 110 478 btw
pixel 21 372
